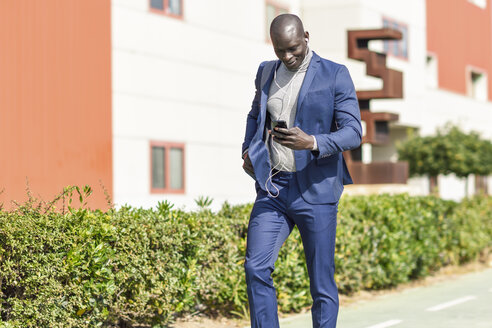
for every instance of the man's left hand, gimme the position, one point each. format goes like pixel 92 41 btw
pixel 293 138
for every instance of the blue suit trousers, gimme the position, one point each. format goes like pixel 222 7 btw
pixel 272 219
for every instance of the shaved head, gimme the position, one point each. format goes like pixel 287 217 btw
pixel 290 41
pixel 286 24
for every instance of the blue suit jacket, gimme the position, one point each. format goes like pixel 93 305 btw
pixel 327 108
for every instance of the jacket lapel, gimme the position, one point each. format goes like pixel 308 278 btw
pixel 265 90
pixel 311 72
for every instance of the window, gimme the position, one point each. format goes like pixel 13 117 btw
pixel 397 48
pixel 477 84
pixel 172 8
pixel 357 154
pixel 480 3
pixel 167 167
pixel 273 9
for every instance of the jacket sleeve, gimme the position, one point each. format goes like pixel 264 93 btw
pixel 347 118
pixel 251 123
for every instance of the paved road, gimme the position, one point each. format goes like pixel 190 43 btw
pixel 463 302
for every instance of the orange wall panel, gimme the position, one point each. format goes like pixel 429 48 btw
pixel 459 33
pixel 55 98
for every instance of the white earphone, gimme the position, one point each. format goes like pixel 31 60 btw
pixel 280 163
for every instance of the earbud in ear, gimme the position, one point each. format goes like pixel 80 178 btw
pixel 307 40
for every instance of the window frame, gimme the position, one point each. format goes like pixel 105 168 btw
pixel 167 174
pixel 165 11
pixel 390 43
pixel 279 6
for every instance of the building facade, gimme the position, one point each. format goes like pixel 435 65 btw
pixel 154 98
pixel 55 99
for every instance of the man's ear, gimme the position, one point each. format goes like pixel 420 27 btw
pixel 306 36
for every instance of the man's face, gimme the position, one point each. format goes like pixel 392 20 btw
pixel 290 48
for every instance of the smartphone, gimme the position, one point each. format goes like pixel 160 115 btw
pixel 279 124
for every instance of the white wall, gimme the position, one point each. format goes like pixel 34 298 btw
pixel 188 81
pixel 191 81
pixel 423 106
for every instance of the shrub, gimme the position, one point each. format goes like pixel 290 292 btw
pixel 135 267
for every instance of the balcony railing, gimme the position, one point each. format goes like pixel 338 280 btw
pixel 378 172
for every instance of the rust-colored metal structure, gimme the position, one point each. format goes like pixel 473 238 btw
pixel 378 172
pixel 377 124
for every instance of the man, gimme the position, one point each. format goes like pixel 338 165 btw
pixel 299 169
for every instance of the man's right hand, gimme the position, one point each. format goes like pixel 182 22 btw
pixel 248 166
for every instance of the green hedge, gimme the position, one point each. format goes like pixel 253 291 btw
pixel 135 267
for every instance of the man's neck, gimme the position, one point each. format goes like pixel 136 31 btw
pixel 305 62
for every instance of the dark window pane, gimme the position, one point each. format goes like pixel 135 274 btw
pixel 175 7
pixel 382 127
pixel 158 167
pixel 176 167
pixel 356 154
pixel 157 4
